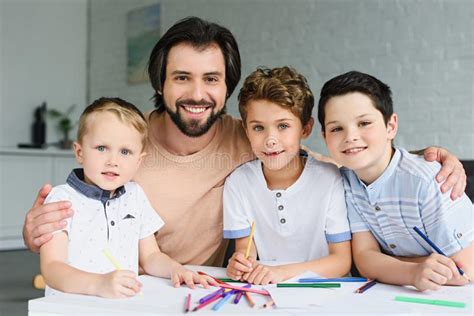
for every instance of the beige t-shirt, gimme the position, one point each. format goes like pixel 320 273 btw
pixel 186 191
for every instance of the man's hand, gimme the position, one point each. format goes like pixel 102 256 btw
pixel 238 266
pixel 452 173
pixel 43 219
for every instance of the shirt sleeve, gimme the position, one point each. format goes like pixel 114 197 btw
pixel 448 223
pixel 337 226
pixel 60 194
pixel 236 221
pixel 151 222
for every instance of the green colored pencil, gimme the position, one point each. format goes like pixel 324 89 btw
pixel 429 301
pixel 229 280
pixel 313 285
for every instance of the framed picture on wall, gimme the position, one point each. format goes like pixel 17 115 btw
pixel 143 31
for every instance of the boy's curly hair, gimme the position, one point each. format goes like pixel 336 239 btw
pixel 283 86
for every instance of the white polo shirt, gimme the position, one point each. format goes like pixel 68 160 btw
pixel 100 222
pixel 292 225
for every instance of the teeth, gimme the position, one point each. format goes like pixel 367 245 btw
pixel 194 109
pixel 354 150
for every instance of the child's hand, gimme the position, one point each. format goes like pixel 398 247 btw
pixel 118 284
pixel 238 266
pixel 182 275
pixel 264 275
pixel 435 271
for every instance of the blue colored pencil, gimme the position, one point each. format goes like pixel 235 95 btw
pixel 350 279
pixel 436 248
pixel 224 299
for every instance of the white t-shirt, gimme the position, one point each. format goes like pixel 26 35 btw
pixel 292 225
pixel 100 223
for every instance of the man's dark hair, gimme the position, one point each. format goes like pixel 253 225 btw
pixel 354 81
pixel 200 34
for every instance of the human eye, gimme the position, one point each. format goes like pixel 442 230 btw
pixel 335 129
pixel 365 123
pixel 211 79
pixel 100 148
pixel 181 78
pixel 125 152
pixel 283 126
pixel 257 128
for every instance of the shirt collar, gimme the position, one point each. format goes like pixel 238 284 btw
pixel 392 166
pixel 76 180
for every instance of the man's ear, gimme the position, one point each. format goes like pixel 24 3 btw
pixel 392 126
pixel 308 128
pixel 77 148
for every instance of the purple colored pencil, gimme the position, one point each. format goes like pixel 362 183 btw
pixel 210 296
pixel 239 294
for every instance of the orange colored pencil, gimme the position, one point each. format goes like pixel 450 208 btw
pixel 249 299
pixel 249 244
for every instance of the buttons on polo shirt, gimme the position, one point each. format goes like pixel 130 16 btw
pixel 278 194
pixel 108 203
pixel 377 208
pixel 281 207
pixel 112 223
pixel 393 246
pixel 283 221
pixel 459 235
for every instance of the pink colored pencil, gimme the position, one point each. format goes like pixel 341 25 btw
pixel 233 287
pixel 187 303
pixel 215 298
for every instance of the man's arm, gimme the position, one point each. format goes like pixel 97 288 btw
pixel 43 219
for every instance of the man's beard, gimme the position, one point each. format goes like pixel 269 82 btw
pixel 193 128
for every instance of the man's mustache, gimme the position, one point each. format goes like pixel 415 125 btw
pixel 202 102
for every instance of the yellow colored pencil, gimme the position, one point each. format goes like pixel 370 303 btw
pixel 249 244
pixel 115 263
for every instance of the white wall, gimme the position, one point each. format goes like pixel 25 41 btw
pixel 422 48
pixel 43 49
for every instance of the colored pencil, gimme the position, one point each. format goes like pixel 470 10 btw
pixel 114 262
pixel 268 304
pixel 365 287
pixel 209 296
pixel 238 296
pixel 429 301
pixel 315 280
pixel 249 299
pixel 187 303
pixel 437 249
pixel 215 279
pixel 233 287
pixel 312 285
pixel 224 299
pixel 230 280
pixel 202 305
pixel 249 244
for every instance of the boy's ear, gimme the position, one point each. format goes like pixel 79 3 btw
pixel 78 152
pixel 392 126
pixel 142 155
pixel 308 128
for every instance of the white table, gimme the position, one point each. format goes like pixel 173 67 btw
pixel 160 298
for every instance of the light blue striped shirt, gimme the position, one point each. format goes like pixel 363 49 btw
pixel 404 196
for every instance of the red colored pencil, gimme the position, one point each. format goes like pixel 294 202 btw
pixel 233 287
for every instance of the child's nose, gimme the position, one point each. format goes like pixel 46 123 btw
pixel 271 142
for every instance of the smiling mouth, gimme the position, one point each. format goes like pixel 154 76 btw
pixel 273 153
pixel 195 109
pixel 110 174
pixel 354 150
